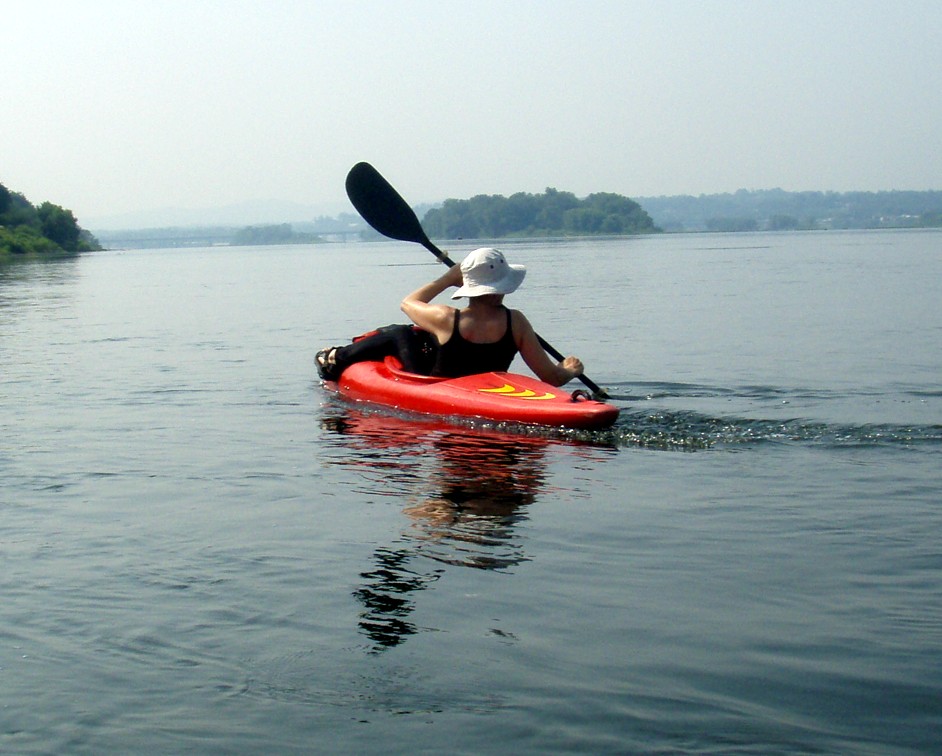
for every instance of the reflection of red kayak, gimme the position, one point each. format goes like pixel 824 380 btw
pixel 504 397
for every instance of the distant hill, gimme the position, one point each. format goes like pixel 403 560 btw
pixel 775 209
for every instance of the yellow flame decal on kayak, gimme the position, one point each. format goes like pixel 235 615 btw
pixel 508 390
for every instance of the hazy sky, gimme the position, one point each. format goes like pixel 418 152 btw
pixel 113 107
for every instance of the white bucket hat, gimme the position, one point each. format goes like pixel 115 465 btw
pixel 486 271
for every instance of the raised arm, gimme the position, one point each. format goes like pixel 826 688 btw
pixel 554 373
pixel 437 319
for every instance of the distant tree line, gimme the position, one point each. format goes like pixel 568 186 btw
pixel 553 213
pixel 43 230
pixel 778 210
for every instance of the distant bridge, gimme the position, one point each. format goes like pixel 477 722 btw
pixel 197 237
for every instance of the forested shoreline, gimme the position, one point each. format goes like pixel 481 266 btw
pixel 553 213
pixel 779 210
pixel 47 229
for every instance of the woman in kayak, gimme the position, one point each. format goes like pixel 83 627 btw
pixel 482 337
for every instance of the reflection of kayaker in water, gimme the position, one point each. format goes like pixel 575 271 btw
pixel 481 493
pixel 478 493
pixel 484 336
pixel 467 491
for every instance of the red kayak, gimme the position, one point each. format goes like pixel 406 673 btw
pixel 503 397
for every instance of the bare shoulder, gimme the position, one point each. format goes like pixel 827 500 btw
pixel 437 319
pixel 445 313
pixel 521 326
pixel 438 314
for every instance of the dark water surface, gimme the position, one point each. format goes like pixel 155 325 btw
pixel 203 551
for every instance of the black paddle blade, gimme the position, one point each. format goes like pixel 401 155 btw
pixel 381 206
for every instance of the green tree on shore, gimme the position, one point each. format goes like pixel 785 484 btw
pixel 48 229
pixel 553 213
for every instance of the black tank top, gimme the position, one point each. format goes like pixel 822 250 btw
pixel 458 356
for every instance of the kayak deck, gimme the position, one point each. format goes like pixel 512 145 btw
pixel 504 397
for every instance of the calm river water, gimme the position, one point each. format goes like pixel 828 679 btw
pixel 203 551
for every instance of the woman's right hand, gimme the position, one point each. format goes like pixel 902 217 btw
pixel 573 365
